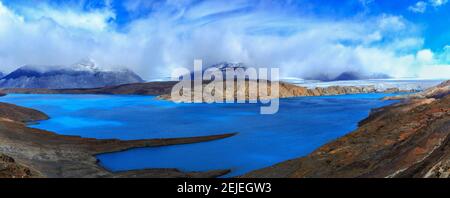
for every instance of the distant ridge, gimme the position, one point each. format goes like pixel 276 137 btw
pixel 348 76
pixel 324 77
pixel 84 74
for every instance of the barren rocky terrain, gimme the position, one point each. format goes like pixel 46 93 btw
pixel 286 90
pixel 406 139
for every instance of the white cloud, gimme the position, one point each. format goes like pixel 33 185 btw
pixel 366 3
pixel 437 3
pixel 445 55
pixel 391 23
pixel 419 7
pixel 434 66
pixel 96 20
pixel 435 71
pixel 425 56
pixel 301 47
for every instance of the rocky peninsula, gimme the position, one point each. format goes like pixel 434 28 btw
pixel 407 139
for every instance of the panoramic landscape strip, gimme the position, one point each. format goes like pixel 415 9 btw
pixel 214 97
pixel 431 103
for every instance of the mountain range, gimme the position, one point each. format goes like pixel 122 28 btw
pixel 223 67
pixel 344 76
pixel 348 75
pixel 84 74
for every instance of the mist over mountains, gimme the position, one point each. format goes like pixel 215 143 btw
pixel 172 34
pixel 326 76
pixel 84 74
pixel 87 74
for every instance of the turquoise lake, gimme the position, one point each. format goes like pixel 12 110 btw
pixel 301 125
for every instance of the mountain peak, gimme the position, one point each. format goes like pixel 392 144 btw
pixel 86 64
pixel 238 68
pixel 84 74
pixel 225 65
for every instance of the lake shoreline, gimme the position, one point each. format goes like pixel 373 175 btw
pixel 29 152
pixel 79 160
pixel 163 90
pixel 363 103
pixel 407 139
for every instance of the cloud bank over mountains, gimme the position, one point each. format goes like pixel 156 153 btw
pixel 158 36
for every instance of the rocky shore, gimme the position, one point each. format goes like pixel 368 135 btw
pixel 406 139
pixel 287 90
pixel 28 152
pixel 163 90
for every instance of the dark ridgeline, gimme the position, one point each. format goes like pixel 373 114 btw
pixel 347 76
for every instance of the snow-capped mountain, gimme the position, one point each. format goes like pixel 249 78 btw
pixel 223 66
pixel 86 65
pixel 238 68
pixel 84 74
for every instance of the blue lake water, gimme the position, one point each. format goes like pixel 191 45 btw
pixel 301 125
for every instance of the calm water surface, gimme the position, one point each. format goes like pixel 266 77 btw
pixel 302 125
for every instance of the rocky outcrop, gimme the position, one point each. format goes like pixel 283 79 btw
pixel 407 139
pixel 81 75
pixel 9 168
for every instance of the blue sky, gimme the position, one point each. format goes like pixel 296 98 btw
pixel 305 38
